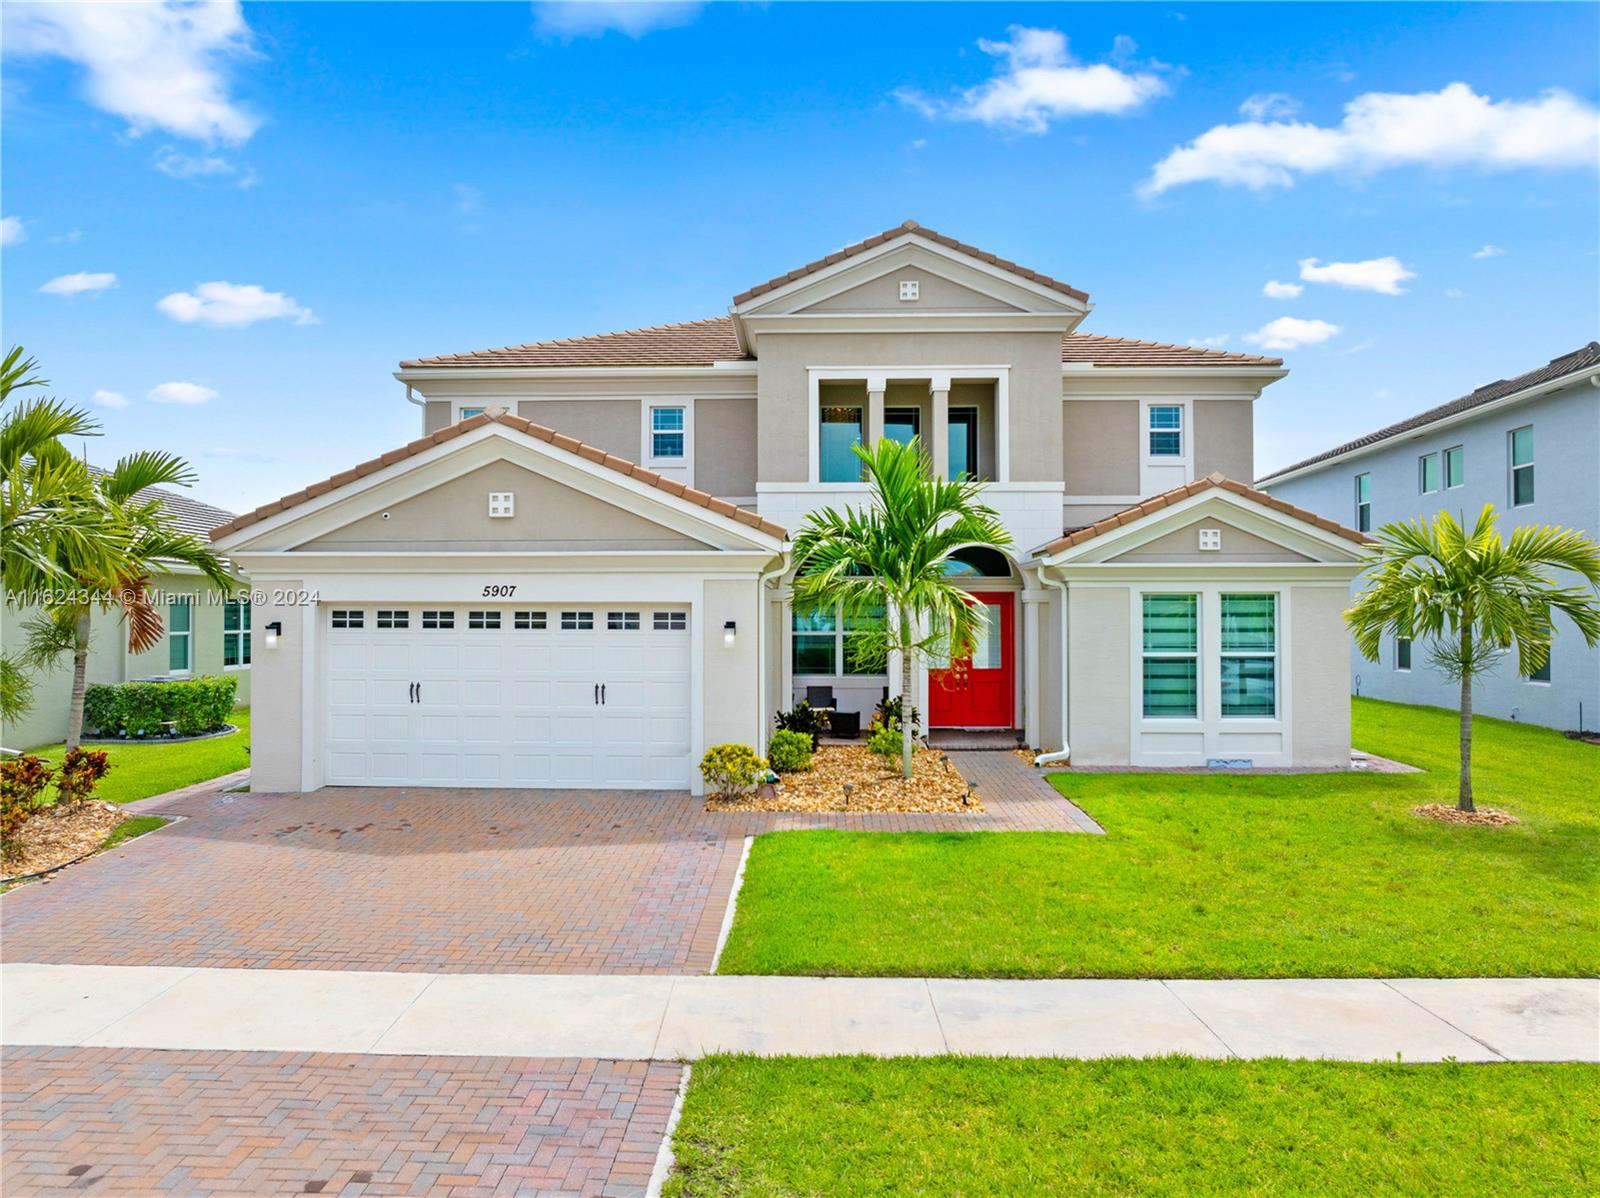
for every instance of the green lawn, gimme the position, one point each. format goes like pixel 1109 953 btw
pixel 1216 876
pixel 958 1125
pixel 132 829
pixel 141 770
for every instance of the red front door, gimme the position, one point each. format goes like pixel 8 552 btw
pixel 979 695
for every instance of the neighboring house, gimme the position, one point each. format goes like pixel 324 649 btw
pixel 1529 445
pixel 579 575
pixel 205 632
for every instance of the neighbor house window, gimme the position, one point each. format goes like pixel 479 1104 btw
pixel 235 632
pixel 1521 465
pixel 1428 473
pixel 1171 657
pixel 902 424
pixel 1166 430
pixel 1542 674
pixel 838 435
pixel 1402 653
pixel 1250 656
pixel 1455 466
pixel 1363 503
pixel 666 432
pixel 825 643
pixel 180 636
pixel 962 439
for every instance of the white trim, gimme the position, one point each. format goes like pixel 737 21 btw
pixel 679 469
pixel 1162 472
pixel 802 323
pixel 1512 467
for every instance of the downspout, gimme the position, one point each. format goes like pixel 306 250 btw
pixel 410 398
pixel 763 580
pixel 1065 752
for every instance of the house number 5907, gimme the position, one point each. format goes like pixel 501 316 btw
pixel 500 590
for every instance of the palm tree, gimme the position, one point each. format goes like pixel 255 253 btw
pixel 1473 595
pixel 884 564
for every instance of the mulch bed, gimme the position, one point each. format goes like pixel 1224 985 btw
pixel 1486 817
pixel 934 785
pixel 61 833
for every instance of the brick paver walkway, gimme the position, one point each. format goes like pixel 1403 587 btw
pixel 444 881
pixel 134 1121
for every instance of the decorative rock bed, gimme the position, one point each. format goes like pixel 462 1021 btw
pixel 935 786
pixel 60 834
pixel 1445 813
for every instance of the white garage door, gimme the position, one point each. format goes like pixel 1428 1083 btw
pixel 525 696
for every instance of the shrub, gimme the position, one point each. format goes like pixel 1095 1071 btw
pixel 804 718
pixel 885 742
pixel 732 771
pixel 81 771
pixel 134 709
pixel 889 712
pixel 789 752
pixel 22 781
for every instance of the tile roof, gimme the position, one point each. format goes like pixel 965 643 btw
pixel 561 441
pixel 189 514
pixel 702 342
pixel 1579 360
pixel 902 230
pixel 1155 503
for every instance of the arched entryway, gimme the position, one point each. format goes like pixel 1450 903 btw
pixel 980 690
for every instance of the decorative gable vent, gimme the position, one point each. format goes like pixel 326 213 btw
pixel 910 289
pixel 1211 539
pixel 502 504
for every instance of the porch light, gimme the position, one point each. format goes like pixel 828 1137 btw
pixel 274 631
pixel 730 633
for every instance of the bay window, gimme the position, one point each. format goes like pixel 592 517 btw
pixel 1171 632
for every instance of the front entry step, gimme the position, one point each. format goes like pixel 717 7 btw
pixel 976 739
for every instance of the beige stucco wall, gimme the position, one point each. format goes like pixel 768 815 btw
pixel 614 425
pixel 548 516
pixel 435 415
pixel 783 389
pixel 725 447
pixel 275 740
pixel 1183 545
pixel 1320 676
pixel 1100 684
pixel 1100 447
pixel 110 661
pixel 936 294
pixel 1224 438
pixel 732 707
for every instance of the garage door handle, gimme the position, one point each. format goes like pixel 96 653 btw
pixel 597 694
pixel 602 694
pixel 411 693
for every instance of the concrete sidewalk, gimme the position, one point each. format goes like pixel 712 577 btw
pixel 685 1017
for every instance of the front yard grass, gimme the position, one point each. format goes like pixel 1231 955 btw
pixel 1217 876
pixel 959 1125
pixel 142 769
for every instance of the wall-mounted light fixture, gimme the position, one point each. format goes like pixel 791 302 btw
pixel 730 633
pixel 274 631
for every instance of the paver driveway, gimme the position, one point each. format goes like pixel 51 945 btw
pixel 443 881
pixel 132 1121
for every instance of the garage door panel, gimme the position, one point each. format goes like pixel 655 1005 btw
pixel 483 692
pixel 434 657
pixel 531 729
pixel 481 768
pixel 439 726
pixel 479 657
pixel 532 692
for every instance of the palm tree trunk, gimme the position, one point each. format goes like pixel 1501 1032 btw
pixel 905 714
pixel 80 678
pixel 1464 790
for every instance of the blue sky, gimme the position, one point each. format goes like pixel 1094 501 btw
pixel 372 182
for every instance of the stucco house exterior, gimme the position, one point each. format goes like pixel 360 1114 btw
pixel 204 632
pixel 1527 444
pixel 579 574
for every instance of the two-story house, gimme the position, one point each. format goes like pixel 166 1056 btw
pixel 1530 445
pixel 579 575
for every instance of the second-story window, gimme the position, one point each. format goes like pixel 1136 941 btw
pixel 666 433
pixel 902 424
pixel 1521 449
pixel 1166 430
pixel 838 435
pixel 1363 503
pixel 1428 473
pixel 1455 466
pixel 469 413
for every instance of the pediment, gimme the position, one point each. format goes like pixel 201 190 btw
pixel 935 293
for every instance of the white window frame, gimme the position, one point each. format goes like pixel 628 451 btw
pixel 1167 721
pixel 1512 467
pixel 241 633
pixel 1422 473
pixel 1150 430
pixel 1276 655
pixel 839 635
pixel 187 635
pixel 1363 503
pixel 679 469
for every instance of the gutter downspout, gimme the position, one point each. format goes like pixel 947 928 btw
pixel 763 580
pixel 410 398
pixel 1065 753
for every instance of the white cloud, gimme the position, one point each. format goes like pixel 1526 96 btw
pixel 108 399
pixel 1273 289
pixel 1290 332
pixel 1381 130
pixel 1488 251
pixel 173 162
pixel 11 231
pixel 82 283
pixel 158 66
pixel 469 199
pixel 1454 293
pixel 1211 342
pixel 68 237
pixel 188 394
pixel 1383 275
pixel 595 18
pixel 1037 81
pixel 232 306
pixel 1269 106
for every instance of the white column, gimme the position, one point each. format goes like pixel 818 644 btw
pixel 940 433
pixel 786 667
pixel 873 433
pixel 1032 602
